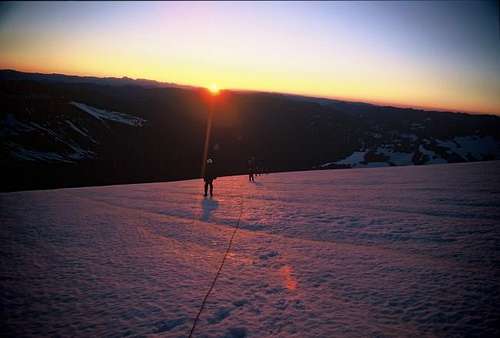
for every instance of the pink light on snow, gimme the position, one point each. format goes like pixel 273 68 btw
pixel 289 280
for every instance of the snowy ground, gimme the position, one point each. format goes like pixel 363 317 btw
pixel 400 251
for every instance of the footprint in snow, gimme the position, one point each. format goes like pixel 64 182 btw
pixel 236 332
pixel 240 302
pixel 268 255
pixel 167 325
pixel 219 315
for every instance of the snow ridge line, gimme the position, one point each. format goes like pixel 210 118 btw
pixel 218 271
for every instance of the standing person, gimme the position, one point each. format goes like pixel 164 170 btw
pixel 251 169
pixel 209 177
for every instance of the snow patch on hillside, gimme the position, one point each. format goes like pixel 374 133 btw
pixel 468 148
pixel 395 157
pixel 472 147
pixel 11 126
pixel 357 159
pixel 22 153
pixel 411 137
pixel 354 159
pixel 373 165
pixel 69 152
pixel 36 155
pixel 432 157
pixel 114 116
pixel 75 128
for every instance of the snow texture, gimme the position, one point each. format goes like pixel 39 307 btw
pixel 386 252
pixel 114 116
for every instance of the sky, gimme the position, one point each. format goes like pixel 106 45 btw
pixel 443 55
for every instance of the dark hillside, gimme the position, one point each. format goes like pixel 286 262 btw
pixel 59 132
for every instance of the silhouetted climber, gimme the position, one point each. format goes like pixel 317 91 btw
pixel 209 177
pixel 251 169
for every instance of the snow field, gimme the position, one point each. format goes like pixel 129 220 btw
pixel 401 251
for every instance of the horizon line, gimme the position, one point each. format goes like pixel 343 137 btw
pixel 308 95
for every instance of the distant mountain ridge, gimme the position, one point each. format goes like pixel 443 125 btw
pixel 9 74
pixel 59 130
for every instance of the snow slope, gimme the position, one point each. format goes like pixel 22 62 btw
pixel 393 252
pixel 60 138
pixel 71 149
pixel 114 116
pixel 472 146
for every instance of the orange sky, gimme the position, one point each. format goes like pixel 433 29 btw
pixel 373 52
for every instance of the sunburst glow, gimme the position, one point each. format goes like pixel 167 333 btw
pixel 214 89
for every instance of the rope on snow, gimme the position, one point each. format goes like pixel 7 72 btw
pixel 218 271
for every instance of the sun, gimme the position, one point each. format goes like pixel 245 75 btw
pixel 213 88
